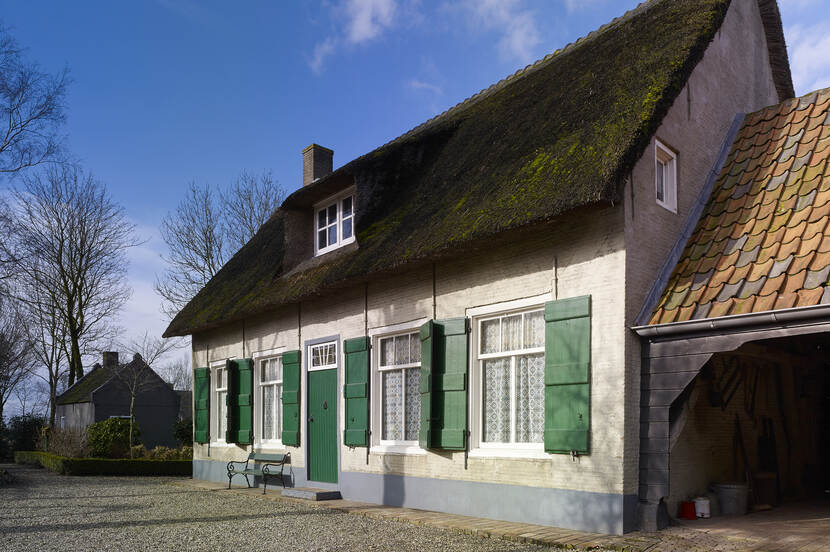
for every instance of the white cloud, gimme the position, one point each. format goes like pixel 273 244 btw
pixel 360 22
pixel 321 52
pixel 367 19
pixel 809 52
pixel 416 84
pixel 517 26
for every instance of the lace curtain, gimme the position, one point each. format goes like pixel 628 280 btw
pixel 523 375
pixel 401 395
pixel 530 399
pixel 392 405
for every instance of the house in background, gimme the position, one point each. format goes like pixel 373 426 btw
pixel 101 394
pixel 445 322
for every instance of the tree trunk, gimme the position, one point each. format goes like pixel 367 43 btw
pixel 52 406
pixel 132 417
pixel 75 366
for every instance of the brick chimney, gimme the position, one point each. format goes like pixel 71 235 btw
pixel 316 163
pixel 110 359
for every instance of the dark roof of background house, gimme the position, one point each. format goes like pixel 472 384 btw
pixel 763 240
pixel 82 390
pixel 99 375
pixel 560 134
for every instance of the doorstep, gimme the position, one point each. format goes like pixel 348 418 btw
pixel 309 493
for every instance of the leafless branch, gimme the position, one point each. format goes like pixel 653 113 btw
pixel 32 110
pixel 15 350
pixel 207 228
pixel 71 240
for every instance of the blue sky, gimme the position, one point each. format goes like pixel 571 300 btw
pixel 169 91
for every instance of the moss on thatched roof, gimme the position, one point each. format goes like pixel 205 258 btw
pixel 560 134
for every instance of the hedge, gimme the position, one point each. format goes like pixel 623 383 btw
pixel 104 466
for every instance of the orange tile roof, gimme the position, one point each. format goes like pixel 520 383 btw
pixel 763 240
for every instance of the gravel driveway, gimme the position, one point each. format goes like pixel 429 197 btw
pixel 44 511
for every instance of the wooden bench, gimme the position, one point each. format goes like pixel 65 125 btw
pixel 258 463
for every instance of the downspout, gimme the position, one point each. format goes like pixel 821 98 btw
pixel 369 379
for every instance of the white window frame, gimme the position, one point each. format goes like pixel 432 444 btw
pixel 338 201
pixel 478 447
pixel 311 367
pixel 217 437
pixel 665 161
pixel 376 415
pixel 258 358
pixel 392 368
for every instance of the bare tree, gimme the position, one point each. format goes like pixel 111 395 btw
pixel 71 240
pixel 32 396
pixel 47 332
pixel 137 376
pixel 207 228
pixel 31 109
pixel 15 351
pixel 178 373
pixel 246 205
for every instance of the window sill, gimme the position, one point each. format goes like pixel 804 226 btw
pixel 331 248
pixel 408 450
pixel 223 444
pixel 276 447
pixel 509 453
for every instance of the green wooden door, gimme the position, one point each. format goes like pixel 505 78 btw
pixel 322 426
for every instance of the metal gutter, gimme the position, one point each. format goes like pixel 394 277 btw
pixel 691 222
pixel 783 317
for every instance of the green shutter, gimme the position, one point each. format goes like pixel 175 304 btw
pixel 230 400
pixel 201 405
pixel 240 401
pixel 450 383
pixel 291 398
pixel 444 361
pixel 356 392
pixel 427 335
pixel 567 375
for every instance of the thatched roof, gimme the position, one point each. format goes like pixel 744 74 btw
pixel 560 134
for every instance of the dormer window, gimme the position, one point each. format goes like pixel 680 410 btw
pixel 665 176
pixel 334 223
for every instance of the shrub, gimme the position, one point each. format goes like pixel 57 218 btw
pixel 71 442
pixel 110 438
pixel 23 431
pixel 163 453
pixel 138 451
pixel 183 430
pixel 103 466
pixel 186 453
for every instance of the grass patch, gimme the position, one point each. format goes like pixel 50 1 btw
pixel 104 466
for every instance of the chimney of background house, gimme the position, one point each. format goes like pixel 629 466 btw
pixel 316 163
pixel 110 359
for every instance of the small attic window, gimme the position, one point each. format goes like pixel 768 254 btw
pixel 665 176
pixel 334 222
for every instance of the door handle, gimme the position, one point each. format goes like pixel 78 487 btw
pixel 311 418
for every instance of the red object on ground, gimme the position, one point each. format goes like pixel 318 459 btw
pixel 687 510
